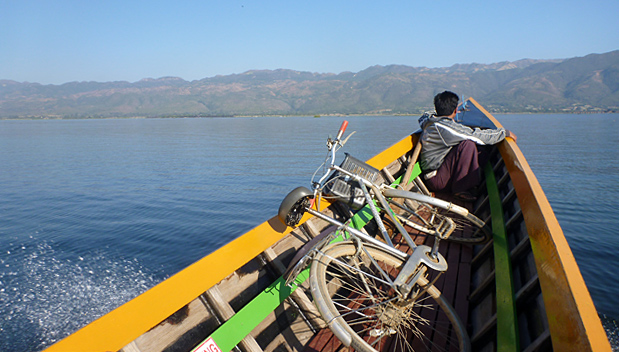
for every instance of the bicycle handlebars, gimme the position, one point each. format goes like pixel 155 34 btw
pixel 332 146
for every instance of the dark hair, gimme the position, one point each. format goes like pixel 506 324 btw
pixel 445 103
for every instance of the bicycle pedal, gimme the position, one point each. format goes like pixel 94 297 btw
pixel 445 228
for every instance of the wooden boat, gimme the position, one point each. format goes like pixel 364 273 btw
pixel 522 291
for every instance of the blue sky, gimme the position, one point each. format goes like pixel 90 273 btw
pixel 54 42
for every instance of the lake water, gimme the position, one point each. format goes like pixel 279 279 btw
pixel 94 212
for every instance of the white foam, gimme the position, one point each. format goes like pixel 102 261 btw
pixel 44 298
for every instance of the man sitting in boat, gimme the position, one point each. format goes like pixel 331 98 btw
pixel 450 157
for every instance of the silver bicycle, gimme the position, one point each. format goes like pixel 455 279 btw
pixel 372 293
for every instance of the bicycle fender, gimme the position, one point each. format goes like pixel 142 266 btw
pixel 290 201
pixel 305 249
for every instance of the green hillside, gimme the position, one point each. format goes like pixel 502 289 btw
pixel 582 84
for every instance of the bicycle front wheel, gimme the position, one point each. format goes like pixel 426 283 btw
pixel 351 288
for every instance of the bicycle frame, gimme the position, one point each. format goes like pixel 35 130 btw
pixel 421 254
pixel 332 146
pixel 365 259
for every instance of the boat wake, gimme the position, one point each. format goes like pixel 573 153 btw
pixel 44 297
pixel 612 330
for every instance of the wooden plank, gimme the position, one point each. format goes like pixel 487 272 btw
pixel 170 331
pixel 412 163
pixel 323 341
pixel 244 283
pixel 485 329
pixel 461 304
pixel 448 289
pixel 224 311
pixel 283 330
pixel 541 343
pixel 306 306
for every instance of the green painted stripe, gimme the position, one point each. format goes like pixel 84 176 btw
pixel 507 318
pixel 361 218
pixel 230 333
pixel 416 172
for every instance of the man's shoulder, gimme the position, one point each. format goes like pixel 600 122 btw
pixel 446 120
pixel 425 118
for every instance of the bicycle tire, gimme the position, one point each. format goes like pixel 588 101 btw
pixel 366 314
pixel 469 228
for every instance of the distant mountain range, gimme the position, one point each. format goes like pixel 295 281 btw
pixel 581 84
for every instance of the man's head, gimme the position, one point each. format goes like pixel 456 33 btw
pixel 445 103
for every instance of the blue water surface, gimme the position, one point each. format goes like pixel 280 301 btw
pixel 94 212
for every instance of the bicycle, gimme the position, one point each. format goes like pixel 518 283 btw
pixel 370 293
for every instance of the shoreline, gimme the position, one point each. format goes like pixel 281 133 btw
pixel 30 118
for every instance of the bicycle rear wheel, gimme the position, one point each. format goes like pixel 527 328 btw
pixel 353 295
pixel 430 212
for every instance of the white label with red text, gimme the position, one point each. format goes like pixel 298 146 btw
pixel 208 346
